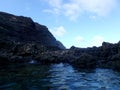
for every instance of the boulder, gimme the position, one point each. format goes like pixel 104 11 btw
pixel 114 62
pixel 85 61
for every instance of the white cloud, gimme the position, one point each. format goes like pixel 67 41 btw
pixel 97 40
pixel 99 7
pixel 71 10
pixel 94 41
pixel 56 6
pixel 54 11
pixel 55 3
pixel 74 8
pixel 58 31
pixel 79 39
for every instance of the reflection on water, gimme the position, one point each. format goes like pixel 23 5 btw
pixel 57 77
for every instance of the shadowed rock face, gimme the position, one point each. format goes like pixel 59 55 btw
pixel 23 29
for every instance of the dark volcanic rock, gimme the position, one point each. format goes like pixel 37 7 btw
pixel 105 56
pixel 21 39
pixel 85 61
pixel 23 29
pixel 114 62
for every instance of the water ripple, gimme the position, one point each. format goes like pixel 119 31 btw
pixel 58 77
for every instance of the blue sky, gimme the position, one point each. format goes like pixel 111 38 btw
pixel 82 23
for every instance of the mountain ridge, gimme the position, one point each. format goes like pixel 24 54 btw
pixel 24 29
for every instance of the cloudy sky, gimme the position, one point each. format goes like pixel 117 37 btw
pixel 82 23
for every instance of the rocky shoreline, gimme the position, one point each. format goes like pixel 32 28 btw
pixel 25 41
pixel 105 56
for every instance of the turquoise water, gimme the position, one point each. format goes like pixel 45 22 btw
pixel 57 77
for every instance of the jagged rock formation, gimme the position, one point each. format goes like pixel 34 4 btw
pixel 105 56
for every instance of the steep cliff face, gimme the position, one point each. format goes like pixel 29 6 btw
pixel 23 29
